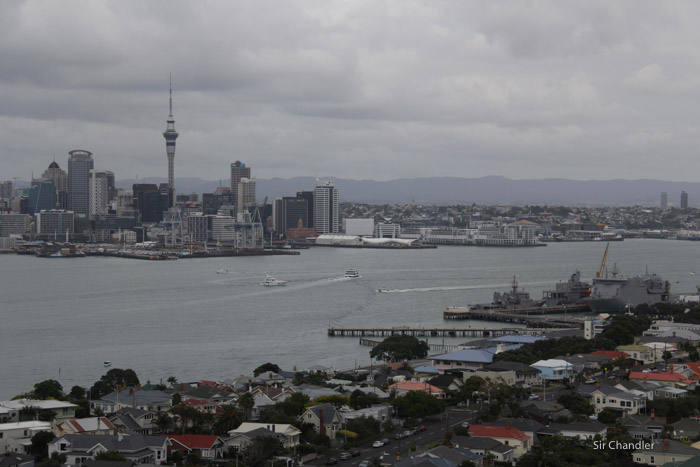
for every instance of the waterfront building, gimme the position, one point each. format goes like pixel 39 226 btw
pixel 80 163
pixel 99 193
pixel 360 227
pixel 239 171
pixel 664 201
pixel 42 195
pixel 326 212
pixel 197 227
pixel 387 230
pixel 60 182
pixel 684 200
pixel 309 197
pixel 14 224
pixel 55 221
pixel 223 228
pixel 170 136
pixel 301 232
pixel 246 194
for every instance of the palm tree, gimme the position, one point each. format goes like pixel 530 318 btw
pixel 163 422
pixel 227 420
pixel 247 402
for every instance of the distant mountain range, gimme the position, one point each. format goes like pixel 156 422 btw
pixel 453 190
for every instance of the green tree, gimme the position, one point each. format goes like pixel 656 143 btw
pixel 49 388
pixel 246 402
pixel 399 348
pixel 361 400
pixel 417 404
pixel 228 419
pixel 294 405
pixel 110 456
pixel 261 450
pixel 76 392
pixel 266 367
pixel 576 404
pixel 40 444
pixel 113 378
pixel 607 416
pixel 192 458
pixel 335 399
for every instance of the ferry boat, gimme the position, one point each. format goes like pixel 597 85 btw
pixel 222 271
pixel 382 290
pixel 272 282
pixel 352 273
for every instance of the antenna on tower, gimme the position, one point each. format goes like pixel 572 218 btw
pixel 171 93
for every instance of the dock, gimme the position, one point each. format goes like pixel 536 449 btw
pixel 530 318
pixel 434 332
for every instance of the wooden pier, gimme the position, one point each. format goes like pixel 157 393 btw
pixel 510 317
pixel 434 332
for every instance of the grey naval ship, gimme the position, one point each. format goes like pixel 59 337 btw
pixel 614 293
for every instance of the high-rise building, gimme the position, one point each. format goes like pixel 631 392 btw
pixel 55 221
pixel 664 200
pixel 80 163
pixel 287 212
pixel 326 214
pixel 14 224
pixel 246 194
pixel 170 136
pixel 42 195
pixel 99 193
pixel 60 181
pixel 309 197
pixel 6 190
pixel 684 200
pixel 238 172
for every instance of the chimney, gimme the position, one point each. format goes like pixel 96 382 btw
pixel 138 387
pixel 568 354
pixel 597 384
pixel 320 421
pixel 670 368
pixel 182 387
pixel 556 405
pixel 131 391
pixel 119 388
pixel 653 414
pixel 674 333
pixel 273 428
pixel 508 424
pixel 665 445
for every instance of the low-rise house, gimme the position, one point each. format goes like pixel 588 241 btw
pixel 670 393
pixel 611 354
pixel 528 426
pixel 239 441
pixel 381 413
pixel 518 373
pixel 544 412
pixel 205 446
pixel 203 406
pixel 136 448
pixel 580 430
pixel 687 429
pixel 640 388
pixel 325 419
pixel 274 393
pixel 13 410
pixel 486 447
pixel 17 436
pixel 640 353
pixel 446 382
pixel 643 427
pixel 604 396
pixel 408 386
pixel 667 378
pixel 289 433
pixel 554 370
pixel 508 435
pixel 15 459
pixel 134 397
pixel 136 420
pixel 664 451
pixel 469 359
pixel 456 456
pixel 92 426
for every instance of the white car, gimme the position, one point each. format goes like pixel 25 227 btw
pixel 377 444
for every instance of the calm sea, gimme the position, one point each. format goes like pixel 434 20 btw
pixel 62 318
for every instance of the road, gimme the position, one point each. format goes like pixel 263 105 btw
pixel 434 433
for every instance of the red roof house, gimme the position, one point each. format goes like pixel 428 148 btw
pixel 205 446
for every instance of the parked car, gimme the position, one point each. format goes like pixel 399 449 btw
pixel 377 444
pixel 422 428
pixel 534 397
pixel 386 441
pixel 354 452
pixel 398 436
pixel 407 433
pixel 415 430
pixel 332 461
pixel 363 464
pixel 465 425
pixel 344 456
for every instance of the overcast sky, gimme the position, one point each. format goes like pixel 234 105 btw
pixel 355 89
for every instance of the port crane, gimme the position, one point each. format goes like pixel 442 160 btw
pixel 599 274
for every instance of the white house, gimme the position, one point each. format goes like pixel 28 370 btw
pixel 17 437
pixel 554 370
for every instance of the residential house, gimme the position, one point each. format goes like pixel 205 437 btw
pixel 664 451
pixel 469 359
pixel 408 386
pixel 485 447
pixel 135 447
pixel 17 436
pixel 456 456
pixel 667 378
pixel 92 426
pixel 134 397
pixel 136 420
pixel 15 459
pixel 289 433
pixel 687 429
pixel 508 435
pixel 604 396
pixel 640 388
pixel 325 419
pixel 202 406
pixel 13 410
pixel 512 372
pixel 580 430
pixel 205 446
pixel 642 354
pixel 666 392
pixel 643 427
pixel 239 441
pixel 274 393
pixel 528 426
pixel 447 382
pixel 543 411
pixel 381 413
pixel 611 354
pixel 554 370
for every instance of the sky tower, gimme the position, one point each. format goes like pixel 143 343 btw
pixel 170 136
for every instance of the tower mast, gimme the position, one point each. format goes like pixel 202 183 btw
pixel 170 136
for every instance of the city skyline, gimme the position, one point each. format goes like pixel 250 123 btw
pixel 332 90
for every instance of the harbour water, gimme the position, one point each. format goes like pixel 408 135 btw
pixel 61 318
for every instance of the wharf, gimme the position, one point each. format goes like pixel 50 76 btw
pixel 434 332
pixel 167 255
pixel 519 317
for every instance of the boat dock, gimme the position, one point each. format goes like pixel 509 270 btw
pixel 507 317
pixel 434 332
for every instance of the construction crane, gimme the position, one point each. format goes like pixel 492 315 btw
pixel 602 264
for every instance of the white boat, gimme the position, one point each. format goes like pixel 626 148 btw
pixel 352 273
pixel 222 271
pixel 382 290
pixel 272 282
pixel 107 363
